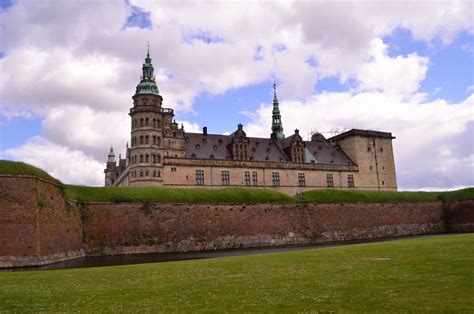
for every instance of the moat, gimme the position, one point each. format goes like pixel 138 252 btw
pixel 117 260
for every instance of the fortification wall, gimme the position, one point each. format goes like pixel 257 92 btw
pixel 143 228
pixel 459 216
pixel 37 224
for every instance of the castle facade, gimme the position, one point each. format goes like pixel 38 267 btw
pixel 163 154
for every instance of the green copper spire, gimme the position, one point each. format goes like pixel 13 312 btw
pixel 147 83
pixel 277 126
pixel 111 155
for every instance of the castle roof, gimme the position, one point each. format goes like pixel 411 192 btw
pixel 216 146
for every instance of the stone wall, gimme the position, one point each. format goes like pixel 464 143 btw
pixel 459 216
pixel 37 225
pixel 145 227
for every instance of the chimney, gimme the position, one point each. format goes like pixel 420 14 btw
pixel 204 130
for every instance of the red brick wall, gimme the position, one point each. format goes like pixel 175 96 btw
pixel 138 228
pixel 37 224
pixel 459 216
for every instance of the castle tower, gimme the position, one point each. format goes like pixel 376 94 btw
pixel 110 168
pixel 277 126
pixel 146 134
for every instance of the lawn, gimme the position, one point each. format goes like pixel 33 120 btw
pixel 333 195
pixel 159 194
pixel 412 275
pixel 21 168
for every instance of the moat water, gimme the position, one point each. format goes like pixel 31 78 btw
pixel 101 261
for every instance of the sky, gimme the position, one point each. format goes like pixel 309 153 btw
pixel 68 70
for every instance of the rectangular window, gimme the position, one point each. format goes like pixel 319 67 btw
pixel 329 180
pixel 254 178
pixel 247 178
pixel 225 177
pixel 276 178
pixel 173 169
pixel 350 180
pixel 199 177
pixel 301 179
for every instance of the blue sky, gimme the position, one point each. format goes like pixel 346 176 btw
pixel 383 66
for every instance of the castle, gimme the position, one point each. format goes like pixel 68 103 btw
pixel 163 154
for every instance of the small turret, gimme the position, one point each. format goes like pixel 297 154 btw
pixel 110 168
pixel 111 155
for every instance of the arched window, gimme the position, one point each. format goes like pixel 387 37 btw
pixel 141 139
pixel 146 158
pixel 146 139
pixel 154 123
pixel 141 121
pixel 141 158
pixel 154 140
pixel 158 158
pixel 158 173
pixel 154 173
pixel 146 121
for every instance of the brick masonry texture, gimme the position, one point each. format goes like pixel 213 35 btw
pixel 39 226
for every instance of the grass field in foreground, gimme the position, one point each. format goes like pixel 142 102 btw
pixel 420 274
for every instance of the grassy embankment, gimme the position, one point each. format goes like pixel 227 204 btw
pixel 229 195
pixel 21 168
pixel 413 275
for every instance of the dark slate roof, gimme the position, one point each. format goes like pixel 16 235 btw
pixel 198 145
pixel 215 146
pixel 326 152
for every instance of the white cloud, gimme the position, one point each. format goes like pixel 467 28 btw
pixel 395 76
pixel 83 128
pixel 70 166
pixel 77 67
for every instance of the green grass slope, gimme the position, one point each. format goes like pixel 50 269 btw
pixel 332 195
pixel 463 194
pixel 412 275
pixel 228 195
pixel 21 168
pixel 158 194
